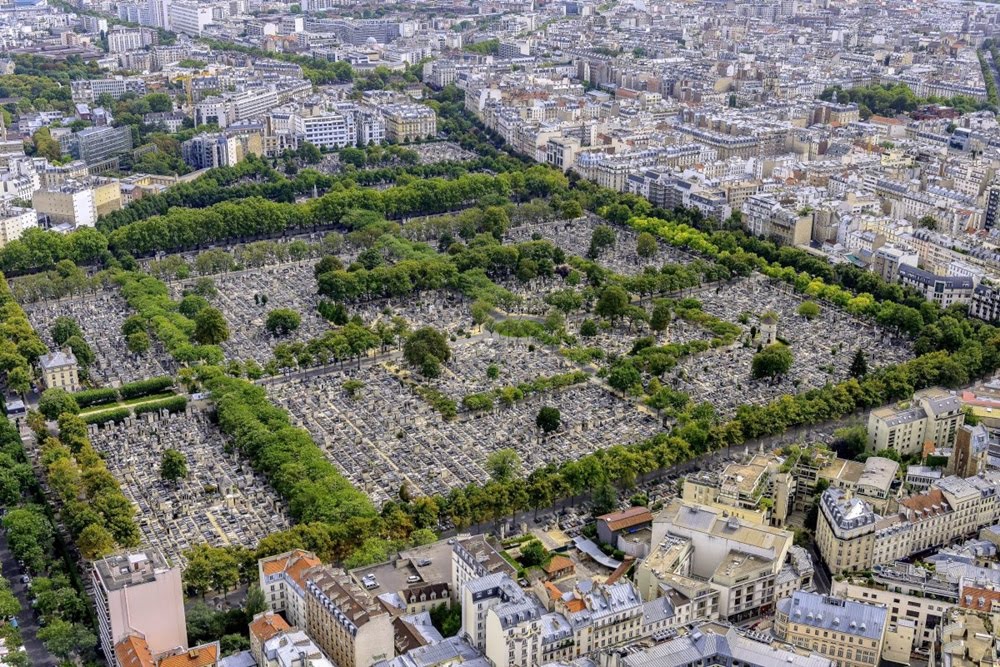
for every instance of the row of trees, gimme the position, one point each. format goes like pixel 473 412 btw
pixel 20 346
pixel 34 541
pixel 98 515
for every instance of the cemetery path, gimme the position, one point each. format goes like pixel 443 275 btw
pixel 27 620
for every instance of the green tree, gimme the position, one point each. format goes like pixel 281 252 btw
pixel 588 328
pixel 255 602
pixel 859 365
pixel 602 237
pixel 84 355
pixel 645 245
pixel 548 419
pixel 210 327
pixel 773 361
pixel 173 465
pixel 424 343
pixel 95 542
pixel 660 319
pixel 503 465
pixel 282 321
pixel 138 342
pixel 605 498
pixel 623 376
pixel 809 310
pixel 612 302
pixel 64 639
pixel 56 401
pixel 64 328
pixel 533 553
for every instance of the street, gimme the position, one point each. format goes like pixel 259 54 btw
pixel 26 619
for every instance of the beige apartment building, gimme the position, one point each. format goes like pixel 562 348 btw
pixel 932 417
pixel 409 122
pixel 282 580
pixel 348 624
pixel 847 631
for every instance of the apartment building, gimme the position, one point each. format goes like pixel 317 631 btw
pixel 740 559
pixel 88 90
pixel 282 579
pixel 472 558
pixel 968 639
pixel 923 611
pixel 189 18
pixel 327 130
pixel 96 144
pixel 263 627
pixel 942 290
pixel 14 221
pixel 408 122
pixel 139 593
pixel 848 632
pixel 349 625
pixel 931 418
pixel 292 648
pixel 720 644
pixel 985 304
pixel 210 150
pixel 851 536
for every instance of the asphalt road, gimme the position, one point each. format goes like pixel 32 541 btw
pixel 26 619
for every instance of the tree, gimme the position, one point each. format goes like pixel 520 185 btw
pixel 282 321
pixel 850 441
pixel 424 344
pixel 210 327
pixel 588 328
pixel 64 639
pixel 192 304
pixel 56 401
pixel 64 328
pixel 928 222
pixel 533 553
pixel 612 302
pixel 173 465
pixel 773 361
pixel 859 365
pixel 137 342
pixel 645 245
pixel 503 465
pixel 95 542
pixel 548 419
pixel 809 310
pixel 605 498
pixel 624 376
pixel 255 601
pixel 602 237
pixel 84 355
pixel 660 319
pixel 9 605
pixel 19 380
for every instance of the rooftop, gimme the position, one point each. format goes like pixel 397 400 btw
pixel 829 613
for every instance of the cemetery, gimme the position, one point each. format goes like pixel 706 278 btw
pixel 573 236
pixel 382 434
pixel 221 501
pixel 823 347
pixel 100 317
pixel 246 297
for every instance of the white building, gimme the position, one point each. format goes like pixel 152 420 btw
pixel 189 18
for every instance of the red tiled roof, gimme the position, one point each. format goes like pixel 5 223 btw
pixel 267 625
pixel 205 655
pixel 633 516
pixel 133 651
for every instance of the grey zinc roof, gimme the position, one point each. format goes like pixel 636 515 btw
pixel 829 613
pixel 57 359
pixel 698 648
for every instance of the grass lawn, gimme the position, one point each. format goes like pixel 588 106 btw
pixel 104 407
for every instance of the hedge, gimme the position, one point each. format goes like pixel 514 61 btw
pixel 117 416
pixel 148 387
pixel 172 404
pixel 89 397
